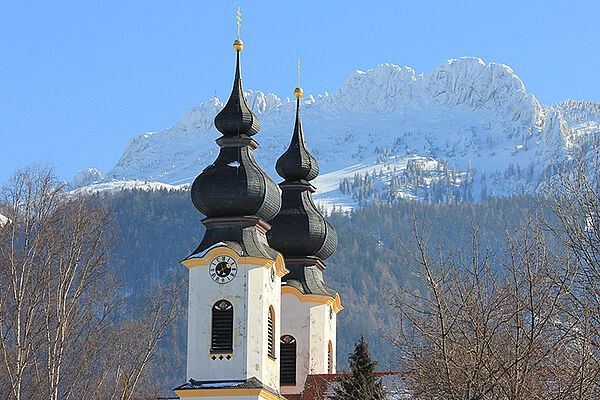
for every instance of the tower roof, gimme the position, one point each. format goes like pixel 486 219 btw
pixel 297 164
pixel 233 192
pixel 236 119
pixel 299 231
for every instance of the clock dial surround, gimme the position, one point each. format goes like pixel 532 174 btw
pixel 223 269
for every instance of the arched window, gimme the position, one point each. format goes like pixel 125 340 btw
pixel 222 327
pixel 287 359
pixel 271 332
pixel 330 358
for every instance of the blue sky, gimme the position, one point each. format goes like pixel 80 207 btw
pixel 78 79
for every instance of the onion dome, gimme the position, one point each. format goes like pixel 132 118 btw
pixel 236 119
pixel 297 164
pixel 299 231
pixel 233 192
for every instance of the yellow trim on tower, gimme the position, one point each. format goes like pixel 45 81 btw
pixel 280 266
pixel 209 256
pixel 265 394
pixel 314 298
pixel 204 261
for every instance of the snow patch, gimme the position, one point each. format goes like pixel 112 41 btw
pixel 116 185
pixel 204 252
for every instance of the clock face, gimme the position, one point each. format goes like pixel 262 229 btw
pixel 223 269
pixel 272 277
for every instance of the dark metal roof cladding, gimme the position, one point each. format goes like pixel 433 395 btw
pixel 236 119
pixel 297 163
pixel 307 279
pixel 299 229
pixel 234 185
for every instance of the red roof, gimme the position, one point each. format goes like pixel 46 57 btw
pixel 322 386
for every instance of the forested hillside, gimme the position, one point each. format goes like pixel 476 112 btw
pixel 159 228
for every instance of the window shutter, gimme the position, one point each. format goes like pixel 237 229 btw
pixel 271 333
pixel 330 358
pixel 287 373
pixel 222 327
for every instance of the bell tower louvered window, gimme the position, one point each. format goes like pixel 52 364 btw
pixel 330 358
pixel 222 327
pixel 271 332
pixel 287 373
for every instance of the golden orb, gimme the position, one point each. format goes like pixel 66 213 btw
pixel 298 92
pixel 238 45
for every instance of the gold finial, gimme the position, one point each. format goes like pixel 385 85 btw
pixel 298 92
pixel 238 45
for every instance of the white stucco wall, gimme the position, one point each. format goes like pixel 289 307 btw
pixel 251 294
pixel 310 324
pixel 261 295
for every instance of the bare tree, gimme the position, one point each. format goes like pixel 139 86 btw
pixel 573 196
pixel 492 326
pixel 64 328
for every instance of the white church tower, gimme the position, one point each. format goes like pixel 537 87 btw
pixel 260 316
pixel 234 311
pixel 308 306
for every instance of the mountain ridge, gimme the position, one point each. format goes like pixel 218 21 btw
pixel 464 115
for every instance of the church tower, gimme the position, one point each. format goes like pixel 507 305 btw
pixel 305 238
pixel 234 275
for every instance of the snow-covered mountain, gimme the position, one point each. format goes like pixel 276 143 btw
pixel 466 130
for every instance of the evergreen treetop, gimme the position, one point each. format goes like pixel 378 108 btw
pixel 362 384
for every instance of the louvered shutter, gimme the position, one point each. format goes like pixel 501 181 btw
pixel 222 327
pixel 287 373
pixel 271 333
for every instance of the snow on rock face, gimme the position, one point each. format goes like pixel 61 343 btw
pixel 86 177
pixel 112 186
pixel 470 82
pixel 463 111
pixel 378 88
pixel 199 117
pixel 3 220
pixel 554 151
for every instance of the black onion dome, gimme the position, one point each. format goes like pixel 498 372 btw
pixel 297 163
pixel 234 185
pixel 299 229
pixel 236 119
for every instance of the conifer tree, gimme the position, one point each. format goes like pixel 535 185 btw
pixel 362 384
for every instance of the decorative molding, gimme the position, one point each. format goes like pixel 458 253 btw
pixel 218 222
pixel 236 142
pixel 228 392
pixel 307 260
pixel 205 260
pixel 314 298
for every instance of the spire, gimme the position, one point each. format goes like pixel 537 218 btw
pixel 234 194
pixel 297 164
pixel 299 231
pixel 236 119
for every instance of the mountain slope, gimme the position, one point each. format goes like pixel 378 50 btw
pixel 466 130
pixel 159 228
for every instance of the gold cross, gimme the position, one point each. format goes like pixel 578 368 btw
pixel 239 20
pixel 298 71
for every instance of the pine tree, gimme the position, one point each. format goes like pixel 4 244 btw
pixel 362 384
